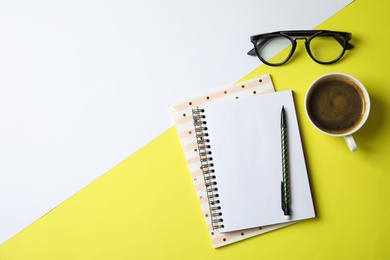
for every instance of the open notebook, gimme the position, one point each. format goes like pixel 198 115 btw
pixel 231 140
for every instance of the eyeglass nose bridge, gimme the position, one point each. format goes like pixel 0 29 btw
pixel 300 38
pixel 294 46
pixel 307 47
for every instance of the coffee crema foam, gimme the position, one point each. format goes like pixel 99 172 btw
pixel 336 105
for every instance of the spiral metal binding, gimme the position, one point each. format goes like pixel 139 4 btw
pixel 207 167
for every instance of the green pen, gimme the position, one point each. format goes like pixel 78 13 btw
pixel 285 185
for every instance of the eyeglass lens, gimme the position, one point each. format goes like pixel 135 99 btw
pixel 326 48
pixel 323 48
pixel 267 49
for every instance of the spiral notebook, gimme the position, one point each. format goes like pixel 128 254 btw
pixel 231 140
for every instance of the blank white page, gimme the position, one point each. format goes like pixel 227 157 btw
pixel 245 142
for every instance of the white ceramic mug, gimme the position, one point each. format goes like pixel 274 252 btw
pixel 338 104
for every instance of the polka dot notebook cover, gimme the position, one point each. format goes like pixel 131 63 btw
pixel 182 115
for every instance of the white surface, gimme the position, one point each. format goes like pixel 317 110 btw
pixel 246 150
pixel 85 84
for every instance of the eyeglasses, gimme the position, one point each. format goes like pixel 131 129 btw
pixel 324 47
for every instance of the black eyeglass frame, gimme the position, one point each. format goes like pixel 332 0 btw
pixel 346 36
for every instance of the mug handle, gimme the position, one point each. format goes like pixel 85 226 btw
pixel 350 142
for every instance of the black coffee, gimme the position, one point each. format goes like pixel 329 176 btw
pixel 336 105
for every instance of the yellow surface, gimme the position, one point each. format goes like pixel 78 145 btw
pixel 146 207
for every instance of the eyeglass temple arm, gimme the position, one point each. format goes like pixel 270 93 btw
pixel 252 52
pixel 349 46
